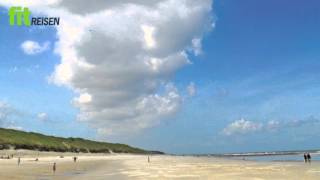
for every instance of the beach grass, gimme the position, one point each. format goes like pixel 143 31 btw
pixel 14 139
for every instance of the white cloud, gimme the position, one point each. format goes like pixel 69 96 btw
pixel 149 36
pixel 42 116
pixel 122 55
pixel 7 115
pixel 29 3
pixel 13 69
pixel 191 89
pixel 83 99
pixel 15 127
pixel 83 7
pixel 242 126
pixel 32 47
pixel 273 125
pixel 118 55
pixel 197 46
pixel 5 111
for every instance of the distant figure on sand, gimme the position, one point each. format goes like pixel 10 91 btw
pixel 305 157
pixel 309 157
pixel 74 159
pixel 19 161
pixel 148 159
pixel 54 168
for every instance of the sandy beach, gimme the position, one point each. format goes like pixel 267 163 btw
pixel 115 166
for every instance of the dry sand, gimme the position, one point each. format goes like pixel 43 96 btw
pixel 103 167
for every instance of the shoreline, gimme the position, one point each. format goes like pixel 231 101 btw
pixel 252 158
pixel 128 166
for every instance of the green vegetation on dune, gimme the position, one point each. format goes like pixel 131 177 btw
pixel 34 141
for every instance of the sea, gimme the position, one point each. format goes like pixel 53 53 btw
pixel 272 156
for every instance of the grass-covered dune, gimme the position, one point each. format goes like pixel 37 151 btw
pixel 34 141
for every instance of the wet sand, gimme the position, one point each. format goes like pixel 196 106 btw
pixel 102 167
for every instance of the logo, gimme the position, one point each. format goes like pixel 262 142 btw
pixel 19 16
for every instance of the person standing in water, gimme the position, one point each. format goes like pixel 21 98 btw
pixel 305 157
pixel 19 161
pixel 54 168
pixel 309 157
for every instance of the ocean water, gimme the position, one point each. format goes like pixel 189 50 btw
pixel 295 157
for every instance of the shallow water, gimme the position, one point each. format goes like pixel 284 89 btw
pixel 297 157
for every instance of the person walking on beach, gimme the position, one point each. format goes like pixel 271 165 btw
pixel 305 157
pixel 19 161
pixel 309 157
pixel 54 168
pixel 75 159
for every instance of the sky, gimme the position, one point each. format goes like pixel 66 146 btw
pixel 179 76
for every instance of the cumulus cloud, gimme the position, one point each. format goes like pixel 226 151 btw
pixel 33 47
pixel 197 46
pixel 119 56
pixel 191 89
pixel 29 3
pixel 302 122
pixel 83 7
pixel 42 116
pixel 273 125
pixel 7 113
pixel 242 126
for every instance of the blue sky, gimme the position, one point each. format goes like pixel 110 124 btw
pixel 25 86
pixel 256 83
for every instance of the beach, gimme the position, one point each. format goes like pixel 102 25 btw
pixel 120 166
